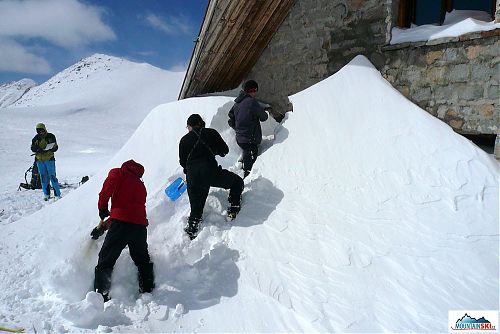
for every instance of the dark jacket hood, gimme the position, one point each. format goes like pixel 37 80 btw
pixel 241 97
pixel 133 167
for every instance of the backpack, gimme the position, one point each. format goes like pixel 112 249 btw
pixel 35 182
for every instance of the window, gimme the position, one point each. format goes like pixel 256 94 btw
pixel 422 12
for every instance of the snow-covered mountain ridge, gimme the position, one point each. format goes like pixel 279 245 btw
pixel 13 91
pixel 99 73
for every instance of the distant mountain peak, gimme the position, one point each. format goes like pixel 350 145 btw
pixel 96 79
pixel 13 91
pixel 92 63
pixel 81 73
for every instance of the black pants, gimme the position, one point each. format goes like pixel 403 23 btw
pixel 203 175
pixel 250 152
pixel 120 235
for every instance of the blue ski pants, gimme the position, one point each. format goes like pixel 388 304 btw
pixel 47 170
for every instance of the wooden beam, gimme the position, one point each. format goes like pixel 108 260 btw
pixel 200 41
pixel 239 55
pixel 206 56
pixel 260 41
pixel 449 5
pixel 240 33
pixel 403 14
pixel 227 42
pixel 413 5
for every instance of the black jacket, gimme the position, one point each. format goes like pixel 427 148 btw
pixel 39 143
pixel 201 145
pixel 245 117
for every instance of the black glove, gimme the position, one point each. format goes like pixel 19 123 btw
pixel 97 232
pixel 103 213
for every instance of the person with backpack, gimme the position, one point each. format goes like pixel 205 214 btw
pixel 44 144
pixel 127 226
pixel 197 151
pixel 245 117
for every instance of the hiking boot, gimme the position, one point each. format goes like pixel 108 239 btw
pixel 46 197
pixel 105 295
pixel 191 227
pixel 57 198
pixel 233 211
pixel 102 281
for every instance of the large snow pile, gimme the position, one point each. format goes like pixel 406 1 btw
pixel 12 92
pixel 456 23
pixel 364 214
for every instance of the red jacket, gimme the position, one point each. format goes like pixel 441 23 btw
pixel 127 192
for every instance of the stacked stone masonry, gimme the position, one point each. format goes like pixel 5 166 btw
pixel 317 39
pixel 455 79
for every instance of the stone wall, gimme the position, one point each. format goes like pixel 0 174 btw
pixel 454 79
pixel 317 39
pixel 497 13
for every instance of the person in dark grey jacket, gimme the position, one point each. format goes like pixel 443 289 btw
pixel 197 151
pixel 245 117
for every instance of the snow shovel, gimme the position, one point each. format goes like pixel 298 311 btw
pixel 89 250
pixel 90 247
pixel 176 189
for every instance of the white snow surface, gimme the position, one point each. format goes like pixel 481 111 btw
pixel 12 92
pixel 362 213
pixel 92 107
pixel 456 23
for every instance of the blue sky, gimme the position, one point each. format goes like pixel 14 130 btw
pixel 39 38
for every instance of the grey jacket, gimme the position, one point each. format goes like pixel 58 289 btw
pixel 245 117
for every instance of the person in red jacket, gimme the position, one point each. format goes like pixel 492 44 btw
pixel 127 226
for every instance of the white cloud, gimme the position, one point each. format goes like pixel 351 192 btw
pixel 66 23
pixel 147 53
pixel 16 58
pixel 182 67
pixel 171 25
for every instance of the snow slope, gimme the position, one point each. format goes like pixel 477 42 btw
pixel 364 213
pixel 92 107
pixel 11 92
pixel 102 80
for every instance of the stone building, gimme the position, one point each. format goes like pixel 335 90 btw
pixel 289 45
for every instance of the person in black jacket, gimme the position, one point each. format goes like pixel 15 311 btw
pixel 197 151
pixel 245 117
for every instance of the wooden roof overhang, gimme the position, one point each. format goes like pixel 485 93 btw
pixel 230 42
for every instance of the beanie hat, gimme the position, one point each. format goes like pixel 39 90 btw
pixel 250 86
pixel 195 120
pixel 41 126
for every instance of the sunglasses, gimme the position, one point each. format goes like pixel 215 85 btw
pixel 40 130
